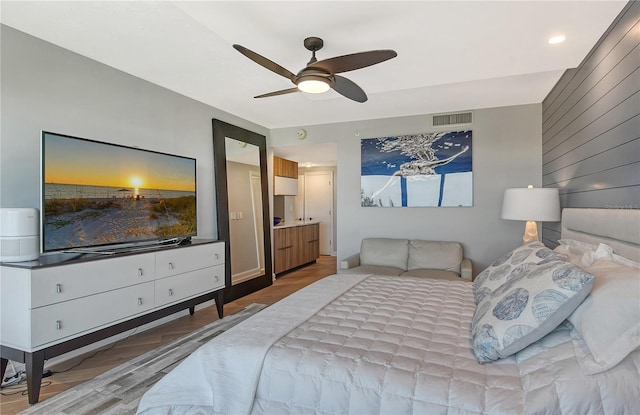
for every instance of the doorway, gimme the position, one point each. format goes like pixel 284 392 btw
pixel 316 164
pixel 318 205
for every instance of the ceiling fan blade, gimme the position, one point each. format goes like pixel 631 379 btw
pixel 281 92
pixel 354 61
pixel 349 89
pixel 261 60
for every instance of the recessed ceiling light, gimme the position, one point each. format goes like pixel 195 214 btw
pixel 556 39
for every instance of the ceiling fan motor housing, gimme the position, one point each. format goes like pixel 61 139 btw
pixel 313 43
pixel 314 74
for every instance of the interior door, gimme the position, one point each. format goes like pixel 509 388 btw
pixel 318 205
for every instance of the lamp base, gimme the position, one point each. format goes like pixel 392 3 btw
pixel 530 232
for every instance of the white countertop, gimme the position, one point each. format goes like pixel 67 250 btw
pixel 296 223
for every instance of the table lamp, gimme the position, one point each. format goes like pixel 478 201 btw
pixel 531 204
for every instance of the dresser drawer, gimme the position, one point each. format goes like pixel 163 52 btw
pixel 57 321
pixel 180 260
pixel 56 284
pixel 179 287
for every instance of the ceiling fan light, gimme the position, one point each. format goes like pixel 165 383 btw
pixel 314 85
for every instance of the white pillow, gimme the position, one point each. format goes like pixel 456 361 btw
pixel 584 246
pixel 583 254
pixel 525 295
pixel 573 255
pixel 625 261
pixel 606 326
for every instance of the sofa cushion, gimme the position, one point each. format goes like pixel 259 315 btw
pixel 432 273
pixel 372 269
pixel 434 255
pixel 384 251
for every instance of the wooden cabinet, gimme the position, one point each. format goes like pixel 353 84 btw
pixel 284 241
pixel 295 246
pixel 285 186
pixel 285 177
pixel 285 168
pixel 309 243
pixel 49 308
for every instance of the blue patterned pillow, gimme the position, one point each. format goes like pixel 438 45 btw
pixel 523 296
pixel 493 276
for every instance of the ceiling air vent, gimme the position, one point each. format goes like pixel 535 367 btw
pixel 449 119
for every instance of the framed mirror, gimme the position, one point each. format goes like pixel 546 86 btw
pixel 243 208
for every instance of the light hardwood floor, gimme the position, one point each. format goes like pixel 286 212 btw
pixel 113 355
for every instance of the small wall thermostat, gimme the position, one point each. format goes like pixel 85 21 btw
pixel 302 134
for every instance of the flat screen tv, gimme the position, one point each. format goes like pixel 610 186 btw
pixel 99 195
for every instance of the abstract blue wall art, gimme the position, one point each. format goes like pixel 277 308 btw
pixel 428 169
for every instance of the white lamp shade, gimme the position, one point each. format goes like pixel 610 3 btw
pixel 531 204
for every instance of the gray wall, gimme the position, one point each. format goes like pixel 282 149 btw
pixel 45 87
pixel 507 150
pixel 591 125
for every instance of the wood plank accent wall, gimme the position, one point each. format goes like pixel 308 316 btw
pixel 591 125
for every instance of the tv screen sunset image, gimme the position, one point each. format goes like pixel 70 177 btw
pixel 101 194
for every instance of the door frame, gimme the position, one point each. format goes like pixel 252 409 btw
pixel 332 249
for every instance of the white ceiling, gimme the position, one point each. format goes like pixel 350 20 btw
pixel 310 155
pixel 452 55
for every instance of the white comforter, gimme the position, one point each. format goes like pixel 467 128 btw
pixel 389 345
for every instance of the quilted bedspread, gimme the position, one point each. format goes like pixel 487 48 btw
pixel 390 345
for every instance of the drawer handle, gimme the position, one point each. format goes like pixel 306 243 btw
pixel 216 278
pixel 58 325
pixel 58 288
pixel 217 256
pixel 140 272
pixel 171 265
pixel 139 300
pixel 170 292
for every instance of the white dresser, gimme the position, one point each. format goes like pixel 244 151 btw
pixel 52 307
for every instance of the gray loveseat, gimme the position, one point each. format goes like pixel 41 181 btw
pixel 417 258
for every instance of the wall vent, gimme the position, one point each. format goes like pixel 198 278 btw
pixel 449 119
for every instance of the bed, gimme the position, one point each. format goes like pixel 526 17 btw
pixel 368 344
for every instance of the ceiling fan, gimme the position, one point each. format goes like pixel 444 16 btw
pixel 320 76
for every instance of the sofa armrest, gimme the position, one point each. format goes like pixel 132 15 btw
pixel 350 262
pixel 466 269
